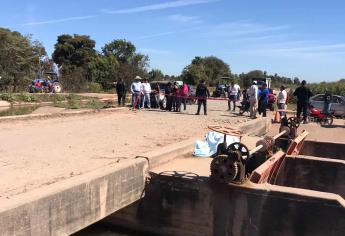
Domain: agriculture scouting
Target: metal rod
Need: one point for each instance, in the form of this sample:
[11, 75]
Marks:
[280, 134]
[255, 149]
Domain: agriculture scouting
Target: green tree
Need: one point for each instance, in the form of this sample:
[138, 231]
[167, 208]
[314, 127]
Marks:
[19, 59]
[296, 81]
[209, 68]
[74, 54]
[76, 50]
[130, 62]
[156, 75]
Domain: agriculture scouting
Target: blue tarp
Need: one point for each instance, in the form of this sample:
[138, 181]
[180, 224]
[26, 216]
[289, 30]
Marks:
[208, 147]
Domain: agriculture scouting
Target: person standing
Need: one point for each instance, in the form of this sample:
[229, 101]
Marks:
[233, 92]
[282, 100]
[136, 92]
[121, 92]
[303, 95]
[202, 94]
[184, 95]
[238, 92]
[146, 91]
[168, 95]
[253, 99]
[263, 99]
[327, 102]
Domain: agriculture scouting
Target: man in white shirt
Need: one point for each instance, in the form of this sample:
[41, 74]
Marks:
[146, 91]
[233, 91]
[136, 92]
[253, 99]
[282, 100]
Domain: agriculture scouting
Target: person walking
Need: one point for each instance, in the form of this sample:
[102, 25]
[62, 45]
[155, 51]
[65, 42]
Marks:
[184, 95]
[202, 94]
[136, 92]
[303, 95]
[263, 99]
[282, 100]
[175, 97]
[121, 92]
[146, 91]
[253, 99]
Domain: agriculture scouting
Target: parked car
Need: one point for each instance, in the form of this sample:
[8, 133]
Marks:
[337, 104]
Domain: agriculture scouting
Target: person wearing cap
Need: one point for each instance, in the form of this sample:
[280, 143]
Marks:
[282, 100]
[303, 95]
[146, 91]
[253, 99]
[136, 92]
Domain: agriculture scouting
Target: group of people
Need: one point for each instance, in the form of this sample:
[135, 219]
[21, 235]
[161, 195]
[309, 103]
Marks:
[177, 95]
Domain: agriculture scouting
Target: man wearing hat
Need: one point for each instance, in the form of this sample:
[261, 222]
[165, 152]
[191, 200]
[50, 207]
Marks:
[136, 92]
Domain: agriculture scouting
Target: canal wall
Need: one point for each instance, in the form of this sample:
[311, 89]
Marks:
[332, 150]
[191, 207]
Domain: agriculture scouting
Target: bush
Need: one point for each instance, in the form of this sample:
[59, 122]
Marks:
[7, 97]
[27, 97]
[94, 87]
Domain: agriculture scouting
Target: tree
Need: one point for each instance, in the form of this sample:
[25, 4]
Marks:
[19, 59]
[254, 74]
[76, 50]
[296, 80]
[130, 62]
[103, 69]
[156, 75]
[209, 68]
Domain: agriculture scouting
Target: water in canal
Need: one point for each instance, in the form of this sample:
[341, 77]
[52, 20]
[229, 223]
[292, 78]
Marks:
[17, 110]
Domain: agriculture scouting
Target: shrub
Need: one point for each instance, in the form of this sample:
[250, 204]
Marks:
[7, 97]
[94, 87]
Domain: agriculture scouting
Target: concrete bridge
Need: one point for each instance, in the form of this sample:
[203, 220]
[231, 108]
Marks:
[65, 208]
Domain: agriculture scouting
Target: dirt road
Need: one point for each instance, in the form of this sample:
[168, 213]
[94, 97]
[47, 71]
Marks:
[35, 153]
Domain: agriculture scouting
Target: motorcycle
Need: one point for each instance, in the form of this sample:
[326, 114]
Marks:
[315, 115]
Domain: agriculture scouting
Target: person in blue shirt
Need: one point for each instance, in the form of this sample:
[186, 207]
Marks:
[263, 99]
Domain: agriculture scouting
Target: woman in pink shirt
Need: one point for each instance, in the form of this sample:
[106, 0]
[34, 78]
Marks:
[184, 95]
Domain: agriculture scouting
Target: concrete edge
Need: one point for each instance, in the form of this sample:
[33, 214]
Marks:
[313, 158]
[60, 114]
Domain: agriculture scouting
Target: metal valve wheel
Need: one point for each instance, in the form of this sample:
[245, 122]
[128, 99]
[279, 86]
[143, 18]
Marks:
[240, 148]
[294, 122]
[224, 169]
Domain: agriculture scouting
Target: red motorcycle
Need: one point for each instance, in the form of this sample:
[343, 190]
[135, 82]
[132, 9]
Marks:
[315, 115]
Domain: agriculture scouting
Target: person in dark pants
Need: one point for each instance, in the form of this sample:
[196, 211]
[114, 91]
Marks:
[202, 94]
[121, 92]
[303, 95]
[327, 102]
[168, 95]
[263, 100]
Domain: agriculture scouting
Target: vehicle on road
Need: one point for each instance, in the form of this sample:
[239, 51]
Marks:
[50, 84]
[337, 106]
[158, 98]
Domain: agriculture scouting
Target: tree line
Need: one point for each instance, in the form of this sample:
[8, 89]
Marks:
[83, 68]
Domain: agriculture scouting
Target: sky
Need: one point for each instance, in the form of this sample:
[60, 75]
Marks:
[294, 38]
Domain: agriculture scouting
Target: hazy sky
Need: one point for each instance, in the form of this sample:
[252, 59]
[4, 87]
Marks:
[304, 38]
